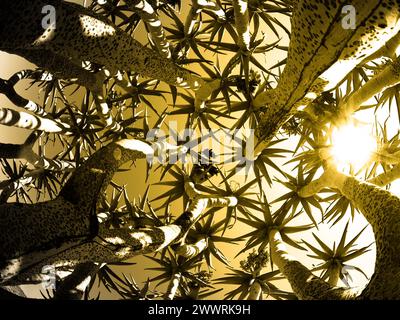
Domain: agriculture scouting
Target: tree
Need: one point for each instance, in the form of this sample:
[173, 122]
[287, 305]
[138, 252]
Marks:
[341, 56]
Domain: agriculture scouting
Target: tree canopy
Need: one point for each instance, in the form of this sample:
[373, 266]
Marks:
[253, 123]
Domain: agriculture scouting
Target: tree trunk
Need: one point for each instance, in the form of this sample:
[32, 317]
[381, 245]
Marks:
[305, 285]
[173, 286]
[255, 291]
[82, 35]
[65, 231]
[323, 48]
[61, 67]
[382, 210]
[242, 23]
[156, 31]
[32, 232]
[334, 275]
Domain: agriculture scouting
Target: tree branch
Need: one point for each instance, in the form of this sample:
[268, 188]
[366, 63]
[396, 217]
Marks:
[21, 119]
[62, 67]
[387, 77]
[305, 285]
[12, 293]
[24, 151]
[318, 60]
[242, 23]
[110, 245]
[72, 243]
[382, 210]
[388, 50]
[154, 25]
[387, 177]
[197, 7]
[82, 35]
[255, 292]
[70, 218]
[7, 88]
[173, 286]
[74, 285]
[192, 250]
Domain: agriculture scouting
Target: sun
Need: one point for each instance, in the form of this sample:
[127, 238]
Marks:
[352, 145]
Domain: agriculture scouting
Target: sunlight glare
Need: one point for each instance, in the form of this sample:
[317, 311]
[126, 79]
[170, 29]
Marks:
[352, 145]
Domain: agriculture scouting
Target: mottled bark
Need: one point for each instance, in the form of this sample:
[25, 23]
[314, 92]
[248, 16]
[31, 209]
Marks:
[321, 47]
[382, 210]
[62, 67]
[388, 50]
[28, 231]
[242, 23]
[64, 232]
[305, 285]
[81, 35]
